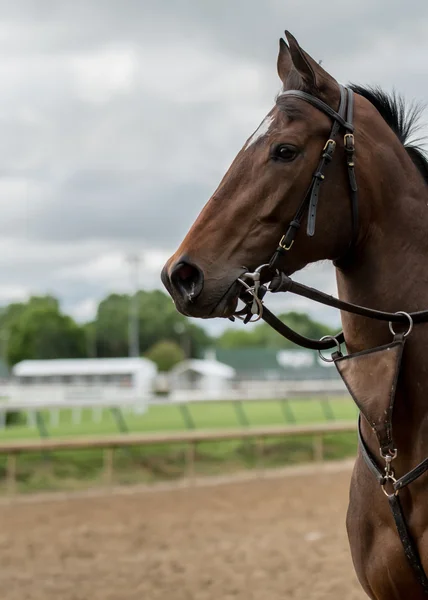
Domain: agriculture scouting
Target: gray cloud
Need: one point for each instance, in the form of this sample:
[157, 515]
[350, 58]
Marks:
[118, 119]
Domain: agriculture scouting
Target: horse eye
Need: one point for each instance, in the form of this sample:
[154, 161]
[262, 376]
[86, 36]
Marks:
[284, 152]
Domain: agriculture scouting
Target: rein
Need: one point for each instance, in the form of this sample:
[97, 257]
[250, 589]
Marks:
[367, 374]
[283, 283]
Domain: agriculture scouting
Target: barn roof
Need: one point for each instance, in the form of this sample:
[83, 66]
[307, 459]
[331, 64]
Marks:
[211, 368]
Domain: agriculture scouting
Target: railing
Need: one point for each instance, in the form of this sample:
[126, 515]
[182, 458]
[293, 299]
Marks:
[264, 390]
[60, 394]
[191, 438]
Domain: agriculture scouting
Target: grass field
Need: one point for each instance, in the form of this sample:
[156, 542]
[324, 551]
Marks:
[210, 415]
[81, 469]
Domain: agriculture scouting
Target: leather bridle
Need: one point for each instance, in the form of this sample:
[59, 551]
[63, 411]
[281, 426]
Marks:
[342, 119]
[310, 201]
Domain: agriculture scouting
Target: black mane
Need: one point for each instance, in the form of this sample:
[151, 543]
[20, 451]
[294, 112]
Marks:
[403, 120]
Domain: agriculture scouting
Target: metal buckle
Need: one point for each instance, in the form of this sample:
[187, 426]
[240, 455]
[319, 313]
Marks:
[328, 142]
[283, 246]
[350, 137]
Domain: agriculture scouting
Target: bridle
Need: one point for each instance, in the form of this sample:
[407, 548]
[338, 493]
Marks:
[342, 119]
[255, 292]
[310, 201]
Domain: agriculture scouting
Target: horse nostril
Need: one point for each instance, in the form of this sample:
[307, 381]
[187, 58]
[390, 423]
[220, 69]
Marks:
[188, 279]
[185, 272]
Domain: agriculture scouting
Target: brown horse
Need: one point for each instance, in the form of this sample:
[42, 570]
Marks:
[239, 228]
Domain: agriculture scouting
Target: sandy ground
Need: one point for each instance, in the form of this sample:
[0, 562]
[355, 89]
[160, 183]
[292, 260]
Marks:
[268, 539]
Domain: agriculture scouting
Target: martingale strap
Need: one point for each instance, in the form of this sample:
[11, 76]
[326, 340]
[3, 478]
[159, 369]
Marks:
[409, 546]
[373, 374]
[371, 378]
[370, 461]
[410, 549]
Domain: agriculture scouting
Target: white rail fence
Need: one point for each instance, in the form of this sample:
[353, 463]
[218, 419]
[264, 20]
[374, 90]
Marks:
[32, 399]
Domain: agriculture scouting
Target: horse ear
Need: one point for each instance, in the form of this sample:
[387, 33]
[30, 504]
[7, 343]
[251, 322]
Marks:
[315, 78]
[285, 62]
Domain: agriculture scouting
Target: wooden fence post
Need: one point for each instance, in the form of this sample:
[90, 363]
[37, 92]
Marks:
[318, 447]
[260, 444]
[190, 461]
[108, 455]
[11, 473]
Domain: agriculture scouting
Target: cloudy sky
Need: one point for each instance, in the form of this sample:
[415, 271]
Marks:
[118, 119]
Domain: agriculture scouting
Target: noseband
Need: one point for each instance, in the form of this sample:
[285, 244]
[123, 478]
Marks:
[381, 423]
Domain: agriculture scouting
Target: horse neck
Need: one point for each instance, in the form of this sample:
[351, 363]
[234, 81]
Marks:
[390, 273]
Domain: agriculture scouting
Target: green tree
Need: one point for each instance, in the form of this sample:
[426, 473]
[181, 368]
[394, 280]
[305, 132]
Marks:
[37, 328]
[165, 354]
[90, 332]
[158, 320]
[111, 326]
[9, 314]
[42, 331]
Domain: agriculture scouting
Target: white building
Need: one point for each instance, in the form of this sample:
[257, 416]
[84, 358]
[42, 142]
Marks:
[201, 379]
[109, 380]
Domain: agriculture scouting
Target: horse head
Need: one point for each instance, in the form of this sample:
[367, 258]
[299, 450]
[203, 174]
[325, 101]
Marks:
[240, 226]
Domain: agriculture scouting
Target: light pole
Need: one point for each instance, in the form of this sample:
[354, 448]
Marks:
[133, 324]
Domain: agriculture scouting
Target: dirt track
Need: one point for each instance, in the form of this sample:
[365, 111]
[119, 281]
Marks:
[259, 540]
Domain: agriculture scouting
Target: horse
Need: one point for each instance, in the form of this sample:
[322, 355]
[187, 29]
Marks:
[378, 243]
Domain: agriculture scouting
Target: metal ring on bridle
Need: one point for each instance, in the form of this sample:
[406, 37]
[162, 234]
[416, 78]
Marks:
[336, 341]
[250, 290]
[409, 330]
[389, 477]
